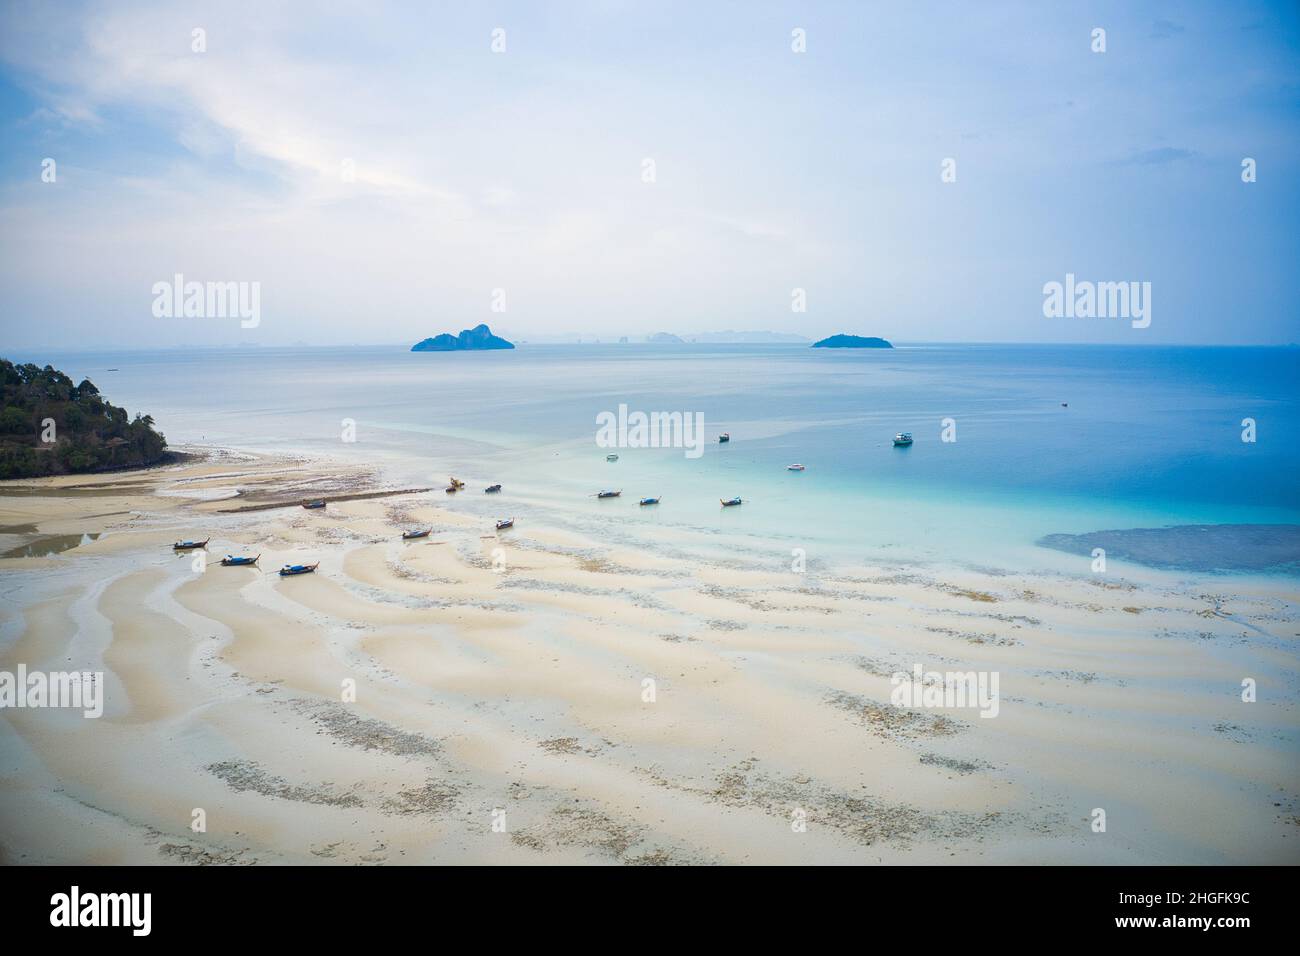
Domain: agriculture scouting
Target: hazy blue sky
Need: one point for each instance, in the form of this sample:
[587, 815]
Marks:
[522, 170]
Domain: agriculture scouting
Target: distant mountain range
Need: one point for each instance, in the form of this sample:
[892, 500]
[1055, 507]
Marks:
[481, 337]
[752, 338]
[478, 338]
[720, 338]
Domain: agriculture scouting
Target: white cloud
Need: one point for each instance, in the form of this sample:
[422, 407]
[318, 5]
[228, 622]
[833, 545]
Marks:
[471, 171]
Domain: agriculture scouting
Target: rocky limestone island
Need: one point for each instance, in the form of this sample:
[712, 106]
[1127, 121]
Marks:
[852, 342]
[479, 337]
[667, 337]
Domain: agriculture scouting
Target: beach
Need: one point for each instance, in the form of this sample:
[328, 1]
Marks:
[546, 695]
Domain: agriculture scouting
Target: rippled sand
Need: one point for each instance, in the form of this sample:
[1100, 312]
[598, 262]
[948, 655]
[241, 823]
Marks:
[502, 711]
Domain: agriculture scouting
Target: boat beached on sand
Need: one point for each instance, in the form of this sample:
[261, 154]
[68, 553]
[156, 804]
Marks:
[291, 569]
[318, 503]
[231, 561]
[505, 523]
[409, 535]
[190, 545]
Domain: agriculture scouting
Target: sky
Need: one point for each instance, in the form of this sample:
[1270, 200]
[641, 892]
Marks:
[383, 174]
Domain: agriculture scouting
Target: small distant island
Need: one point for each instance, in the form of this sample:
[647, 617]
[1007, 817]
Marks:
[477, 338]
[852, 342]
[664, 337]
[49, 426]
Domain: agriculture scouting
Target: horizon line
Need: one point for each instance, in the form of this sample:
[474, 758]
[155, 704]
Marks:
[402, 346]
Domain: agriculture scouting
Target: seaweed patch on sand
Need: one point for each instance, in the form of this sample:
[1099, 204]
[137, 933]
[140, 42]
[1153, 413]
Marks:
[579, 827]
[864, 819]
[955, 764]
[433, 797]
[890, 721]
[247, 775]
[364, 732]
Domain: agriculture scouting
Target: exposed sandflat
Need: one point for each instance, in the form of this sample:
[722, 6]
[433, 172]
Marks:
[524, 691]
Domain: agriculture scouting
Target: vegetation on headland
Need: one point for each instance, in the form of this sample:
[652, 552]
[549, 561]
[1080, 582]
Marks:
[49, 426]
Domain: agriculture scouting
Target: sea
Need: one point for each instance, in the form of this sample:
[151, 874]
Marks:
[1011, 442]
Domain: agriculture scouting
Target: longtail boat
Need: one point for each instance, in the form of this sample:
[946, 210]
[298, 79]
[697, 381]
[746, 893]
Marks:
[729, 502]
[291, 569]
[609, 494]
[231, 561]
[409, 535]
[611, 457]
[190, 545]
[724, 438]
[318, 503]
[794, 467]
[505, 523]
[491, 489]
[650, 501]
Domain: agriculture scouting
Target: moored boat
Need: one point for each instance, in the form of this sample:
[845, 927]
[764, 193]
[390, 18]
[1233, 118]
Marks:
[611, 457]
[235, 561]
[505, 523]
[409, 535]
[491, 489]
[903, 438]
[291, 569]
[724, 438]
[609, 494]
[650, 501]
[794, 468]
[190, 545]
[730, 502]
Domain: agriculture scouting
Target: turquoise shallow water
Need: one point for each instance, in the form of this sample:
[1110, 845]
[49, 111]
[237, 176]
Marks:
[1151, 436]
